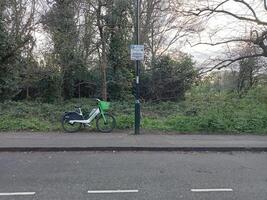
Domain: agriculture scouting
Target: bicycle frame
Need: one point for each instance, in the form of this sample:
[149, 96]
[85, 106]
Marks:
[91, 118]
[87, 121]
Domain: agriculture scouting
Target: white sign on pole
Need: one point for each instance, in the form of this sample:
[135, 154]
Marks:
[137, 52]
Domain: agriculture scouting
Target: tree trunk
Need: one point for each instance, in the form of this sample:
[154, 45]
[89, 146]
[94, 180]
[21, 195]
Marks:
[103, 66]
[104, 82]
[103, 55]
[27, 93]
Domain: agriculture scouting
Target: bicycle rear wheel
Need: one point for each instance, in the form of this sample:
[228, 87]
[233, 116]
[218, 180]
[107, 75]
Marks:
[70, 127]
[108, 126]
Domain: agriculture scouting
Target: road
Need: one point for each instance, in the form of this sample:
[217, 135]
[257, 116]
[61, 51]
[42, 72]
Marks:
[132, 176]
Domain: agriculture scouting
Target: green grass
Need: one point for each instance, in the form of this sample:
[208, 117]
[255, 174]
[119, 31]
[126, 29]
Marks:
[207, 112]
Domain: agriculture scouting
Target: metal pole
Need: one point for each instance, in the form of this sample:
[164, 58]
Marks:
[137, 96]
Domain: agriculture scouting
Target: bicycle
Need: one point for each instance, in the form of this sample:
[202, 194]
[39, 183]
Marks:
[105, 122]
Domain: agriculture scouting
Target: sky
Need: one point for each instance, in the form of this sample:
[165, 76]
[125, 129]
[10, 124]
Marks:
[224, 27]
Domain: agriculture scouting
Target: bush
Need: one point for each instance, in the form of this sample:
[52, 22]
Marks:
[169, 79]
[203, 111]
[11, 123]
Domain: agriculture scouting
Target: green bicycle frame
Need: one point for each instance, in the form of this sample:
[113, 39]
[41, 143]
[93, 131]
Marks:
[102, 112]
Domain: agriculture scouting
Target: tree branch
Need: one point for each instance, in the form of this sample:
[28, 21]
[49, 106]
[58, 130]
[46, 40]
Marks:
[249, 7]
[227, 62]
[223, 42]
[13, 51]
[254, 20]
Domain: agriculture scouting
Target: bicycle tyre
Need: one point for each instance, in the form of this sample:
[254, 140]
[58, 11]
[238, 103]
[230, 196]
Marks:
[108, 126]
[70, 128]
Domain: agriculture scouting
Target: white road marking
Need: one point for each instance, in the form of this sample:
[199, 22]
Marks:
[213, 190]
[17, 194]
[111, 191]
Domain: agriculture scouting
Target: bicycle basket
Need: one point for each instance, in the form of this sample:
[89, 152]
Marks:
[104, 105]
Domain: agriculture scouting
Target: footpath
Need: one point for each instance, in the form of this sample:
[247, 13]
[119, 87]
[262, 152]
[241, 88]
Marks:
[30, 142]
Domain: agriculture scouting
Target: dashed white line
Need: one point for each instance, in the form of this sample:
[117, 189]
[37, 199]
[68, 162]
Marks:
[111, 191]
[213, 190]
[18, 194]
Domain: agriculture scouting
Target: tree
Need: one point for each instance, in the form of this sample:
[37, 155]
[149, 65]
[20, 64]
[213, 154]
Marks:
[246, 15]
[120, 72]
[16, 27]
[101, 25]
[87, 53]
[7, 74]
[60, 21]
[164, 31]
[170, 79]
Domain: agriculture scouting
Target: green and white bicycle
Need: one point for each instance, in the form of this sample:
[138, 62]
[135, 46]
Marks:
[105, 122]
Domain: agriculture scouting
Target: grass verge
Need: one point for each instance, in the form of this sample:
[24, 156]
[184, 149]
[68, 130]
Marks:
[201, 112]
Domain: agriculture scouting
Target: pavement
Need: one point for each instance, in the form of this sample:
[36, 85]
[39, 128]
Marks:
[26, 141]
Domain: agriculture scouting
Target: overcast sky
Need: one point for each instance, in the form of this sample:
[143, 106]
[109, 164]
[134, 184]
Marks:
[224, 27]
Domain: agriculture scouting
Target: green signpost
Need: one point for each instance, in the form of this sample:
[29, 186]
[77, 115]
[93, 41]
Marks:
[137, 54]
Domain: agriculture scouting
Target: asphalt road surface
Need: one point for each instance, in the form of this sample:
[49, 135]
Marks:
[133, 176]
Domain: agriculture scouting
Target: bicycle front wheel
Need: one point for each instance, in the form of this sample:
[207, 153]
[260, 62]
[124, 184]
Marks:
[105, 126]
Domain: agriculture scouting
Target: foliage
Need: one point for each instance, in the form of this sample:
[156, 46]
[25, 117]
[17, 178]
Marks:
[249, 68]
[88, 56]
[48, 88]
[120, 84]
[9, 123]
[8, 74]
[170, 79]
[120, 73]
[203, 111]
[61, 24]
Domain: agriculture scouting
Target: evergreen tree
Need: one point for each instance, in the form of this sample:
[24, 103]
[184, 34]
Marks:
[8, 70]
[121, 73]
[170, 79]
[60, 21]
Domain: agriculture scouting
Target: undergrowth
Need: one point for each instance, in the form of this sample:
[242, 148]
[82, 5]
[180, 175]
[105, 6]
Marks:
[202, 111]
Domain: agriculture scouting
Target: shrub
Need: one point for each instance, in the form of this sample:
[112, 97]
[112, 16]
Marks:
[203, 111]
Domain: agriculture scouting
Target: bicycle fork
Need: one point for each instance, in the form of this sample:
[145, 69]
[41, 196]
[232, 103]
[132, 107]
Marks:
[103, 115]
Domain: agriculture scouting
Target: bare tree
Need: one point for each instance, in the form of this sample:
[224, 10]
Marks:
[163, 28]
[247, 15]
